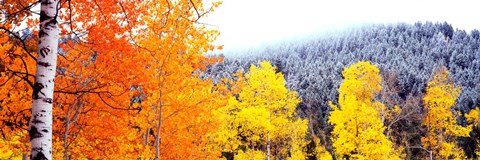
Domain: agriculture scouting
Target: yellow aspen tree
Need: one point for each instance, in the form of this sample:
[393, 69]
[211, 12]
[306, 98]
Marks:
[358, 128]
[442, 130]
[263, 118]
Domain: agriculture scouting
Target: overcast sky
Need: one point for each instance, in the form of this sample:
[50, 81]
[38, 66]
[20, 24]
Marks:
[250, 23]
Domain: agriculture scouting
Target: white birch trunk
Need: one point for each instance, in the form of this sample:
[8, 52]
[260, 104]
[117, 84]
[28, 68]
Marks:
[41, 121]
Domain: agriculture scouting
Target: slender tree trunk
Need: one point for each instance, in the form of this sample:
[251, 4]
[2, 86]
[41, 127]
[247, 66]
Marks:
[147, 134]
[65, 136]
[40, 129]
[69, 119]
[268, 139]
[158, 138]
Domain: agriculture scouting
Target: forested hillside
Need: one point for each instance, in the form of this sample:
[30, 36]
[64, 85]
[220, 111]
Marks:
[406, 55]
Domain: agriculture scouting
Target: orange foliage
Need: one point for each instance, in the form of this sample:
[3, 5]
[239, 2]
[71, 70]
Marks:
[16, 69]
[124, 67]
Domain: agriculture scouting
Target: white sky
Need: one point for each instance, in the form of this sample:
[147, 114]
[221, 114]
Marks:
[250, 23]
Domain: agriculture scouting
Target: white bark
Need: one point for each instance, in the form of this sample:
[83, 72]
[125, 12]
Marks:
[41, 121]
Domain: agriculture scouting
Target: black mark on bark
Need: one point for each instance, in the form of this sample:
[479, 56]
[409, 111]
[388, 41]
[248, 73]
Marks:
[43, 16]
[39, 156]
[53, 21]
[44, 64]
[46, 2]
[36, 121]
[37, 88]
[42, 33]
[34, 133]
[44, 52]
[48, 100]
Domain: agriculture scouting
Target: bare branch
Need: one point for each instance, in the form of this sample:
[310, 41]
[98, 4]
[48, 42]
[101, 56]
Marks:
[106, 103]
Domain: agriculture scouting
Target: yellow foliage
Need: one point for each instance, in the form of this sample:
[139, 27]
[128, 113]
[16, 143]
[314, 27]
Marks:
[361, 81]
[250, 155]
[263, 114]
[14, 147]
[358, 129]
[449, 150]
[473, 117]
[320, 151]
[442, 129]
